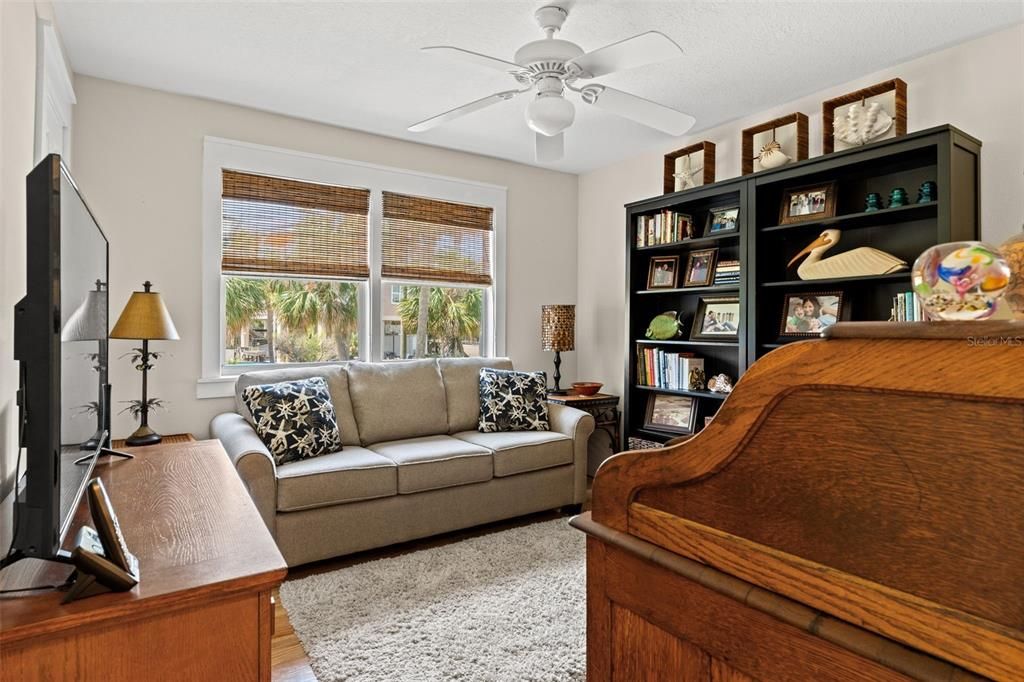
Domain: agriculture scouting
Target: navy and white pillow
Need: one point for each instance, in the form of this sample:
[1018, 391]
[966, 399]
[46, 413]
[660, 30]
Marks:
[513, 401]
[294, 419]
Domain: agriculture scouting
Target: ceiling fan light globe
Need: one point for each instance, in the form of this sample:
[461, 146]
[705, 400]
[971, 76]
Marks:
[550, 114]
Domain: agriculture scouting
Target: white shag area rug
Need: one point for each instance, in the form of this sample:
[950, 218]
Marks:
[510, 605]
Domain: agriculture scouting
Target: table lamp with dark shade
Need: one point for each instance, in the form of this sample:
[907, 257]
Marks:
[145, 318]
[558, 334]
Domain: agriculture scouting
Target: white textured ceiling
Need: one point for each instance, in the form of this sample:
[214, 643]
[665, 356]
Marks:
[356, 64]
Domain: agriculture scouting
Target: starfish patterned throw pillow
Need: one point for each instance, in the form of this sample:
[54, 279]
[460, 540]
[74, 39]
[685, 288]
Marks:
[294, 419]
[513, 401]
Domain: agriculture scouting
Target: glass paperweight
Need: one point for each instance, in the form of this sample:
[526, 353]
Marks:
[1013, 251]
[960, 280]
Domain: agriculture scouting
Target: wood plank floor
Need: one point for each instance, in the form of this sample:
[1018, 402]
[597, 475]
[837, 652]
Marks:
[288, 659]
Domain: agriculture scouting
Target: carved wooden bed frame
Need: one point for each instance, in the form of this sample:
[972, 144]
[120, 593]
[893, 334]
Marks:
[854, 511]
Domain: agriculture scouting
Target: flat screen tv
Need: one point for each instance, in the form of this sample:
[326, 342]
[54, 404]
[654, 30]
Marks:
[60, 341]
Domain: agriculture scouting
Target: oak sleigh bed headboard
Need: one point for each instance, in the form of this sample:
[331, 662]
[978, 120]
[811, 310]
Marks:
[855, 511]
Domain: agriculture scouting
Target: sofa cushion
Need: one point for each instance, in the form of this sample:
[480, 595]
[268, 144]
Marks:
[436, 462]
[294, 419]
[513, 401]
[337, 384]
[516, 452]
[396, 400]
[348, 476]
[462, 388]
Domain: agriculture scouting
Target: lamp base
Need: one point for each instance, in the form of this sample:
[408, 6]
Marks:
[143, 436]
[558, 391]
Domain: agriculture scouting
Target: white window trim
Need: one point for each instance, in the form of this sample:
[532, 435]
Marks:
[220, 153]
[55, 95]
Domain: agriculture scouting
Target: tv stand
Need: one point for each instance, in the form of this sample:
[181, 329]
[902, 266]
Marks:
[105, 452]
[209, 565]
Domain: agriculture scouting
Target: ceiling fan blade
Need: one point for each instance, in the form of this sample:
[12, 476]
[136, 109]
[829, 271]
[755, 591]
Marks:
[474, 58]
[640, 50]
[638, 109]
[459, 112]
[550, 148]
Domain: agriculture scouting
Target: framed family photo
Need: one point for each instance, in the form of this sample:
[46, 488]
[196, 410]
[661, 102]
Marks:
[718, 319]
[663, 272]
[671, 413]
[722, 221]
[813, 202]
[700, 268]
[809, 314]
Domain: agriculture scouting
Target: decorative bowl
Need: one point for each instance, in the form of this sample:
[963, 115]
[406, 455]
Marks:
[586, 387]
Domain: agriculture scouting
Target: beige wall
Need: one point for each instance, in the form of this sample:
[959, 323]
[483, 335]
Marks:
[977, 86]
[17, 127]
[138, 161]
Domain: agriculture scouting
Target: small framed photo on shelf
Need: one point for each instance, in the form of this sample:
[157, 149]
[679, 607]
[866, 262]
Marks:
[670, 413]
[722, 221]
[700, 268]
[718, 319]
[663, 272]
[812, 202]
[809, 314]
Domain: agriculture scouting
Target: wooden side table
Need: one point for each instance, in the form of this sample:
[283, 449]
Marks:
[605, 409]
[119, 444]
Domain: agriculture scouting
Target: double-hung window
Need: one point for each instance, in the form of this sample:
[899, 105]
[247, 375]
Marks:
[437, 254]
[293, 264]
[309, 259]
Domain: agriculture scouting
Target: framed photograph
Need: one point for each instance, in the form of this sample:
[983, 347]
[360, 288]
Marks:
[663, 272]
[718, 319]
[813, 202]
[722, 221]
[671, 413]
[700, 268]
[809, 314]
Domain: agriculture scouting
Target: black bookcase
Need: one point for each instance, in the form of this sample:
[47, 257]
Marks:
[943, 154]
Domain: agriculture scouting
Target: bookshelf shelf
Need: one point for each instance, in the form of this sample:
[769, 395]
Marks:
[903, 276]
[763, 247]
[687, 243]
[695, 394]
[865, 218]
[684, 342]
[690, 290]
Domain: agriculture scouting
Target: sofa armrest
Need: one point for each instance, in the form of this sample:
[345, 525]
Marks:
[252, 460]
[578, 425]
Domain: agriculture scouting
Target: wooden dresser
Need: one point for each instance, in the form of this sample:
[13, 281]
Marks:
[202, 609]
[854, 512]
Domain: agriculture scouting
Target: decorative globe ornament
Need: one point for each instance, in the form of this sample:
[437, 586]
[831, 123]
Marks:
[960, 280]
[1013, 251]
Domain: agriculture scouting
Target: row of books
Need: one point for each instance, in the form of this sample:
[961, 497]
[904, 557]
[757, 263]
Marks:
[666, 227]
[727, 272]
[661, 369]
[906, 308]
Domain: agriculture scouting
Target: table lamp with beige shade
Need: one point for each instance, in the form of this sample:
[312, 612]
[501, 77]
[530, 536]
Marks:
[558, 334]
[145, 318]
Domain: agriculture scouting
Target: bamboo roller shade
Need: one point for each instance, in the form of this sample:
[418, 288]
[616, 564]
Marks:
[429, 239]
[287, 227]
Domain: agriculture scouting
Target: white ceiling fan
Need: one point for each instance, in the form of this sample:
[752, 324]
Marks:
[551, 66]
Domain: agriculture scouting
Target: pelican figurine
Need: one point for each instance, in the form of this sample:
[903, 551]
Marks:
[858, 262]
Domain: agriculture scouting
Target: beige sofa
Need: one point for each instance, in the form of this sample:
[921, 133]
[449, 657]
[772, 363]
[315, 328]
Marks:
[413, 463]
